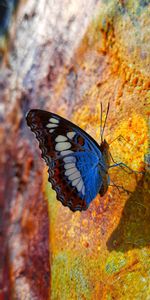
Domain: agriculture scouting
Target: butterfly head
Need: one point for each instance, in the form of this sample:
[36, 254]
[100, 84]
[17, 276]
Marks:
[104, 148]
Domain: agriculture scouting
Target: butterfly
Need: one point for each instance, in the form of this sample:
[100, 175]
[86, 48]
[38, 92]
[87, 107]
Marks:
[77, 164]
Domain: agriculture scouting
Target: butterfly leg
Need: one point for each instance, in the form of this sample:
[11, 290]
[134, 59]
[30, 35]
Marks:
[119, 137]
[102, 128]
[120, 187]
[121, 164]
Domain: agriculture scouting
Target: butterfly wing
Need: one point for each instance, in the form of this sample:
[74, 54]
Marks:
[73, 158]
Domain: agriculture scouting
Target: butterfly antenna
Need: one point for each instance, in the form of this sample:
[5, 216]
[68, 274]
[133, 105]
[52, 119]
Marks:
[102, 131]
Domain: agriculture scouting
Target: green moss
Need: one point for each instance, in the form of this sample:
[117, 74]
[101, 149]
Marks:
[115, 262]
[68, 278]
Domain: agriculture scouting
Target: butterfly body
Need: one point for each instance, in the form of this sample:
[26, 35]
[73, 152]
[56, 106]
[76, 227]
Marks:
[78, 166]
[104, 148]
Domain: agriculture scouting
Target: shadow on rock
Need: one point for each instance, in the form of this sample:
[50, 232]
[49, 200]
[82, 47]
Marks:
[133, 230]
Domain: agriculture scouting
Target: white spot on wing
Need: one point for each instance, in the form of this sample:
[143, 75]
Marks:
[61, 138]
[79, 185]
[75, 182]
[74, 176]
[62, 146]
[66, 152]
[53, 120]
[51, 130]
[83, 190]
[69, 165]
[71, 134]
[70, 171]
[51, 125]
[70, 159]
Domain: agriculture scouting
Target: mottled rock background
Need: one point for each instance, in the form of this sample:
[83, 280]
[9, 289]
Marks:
[67, 57]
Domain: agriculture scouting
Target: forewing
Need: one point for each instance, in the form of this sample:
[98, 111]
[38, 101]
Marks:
[72, 157]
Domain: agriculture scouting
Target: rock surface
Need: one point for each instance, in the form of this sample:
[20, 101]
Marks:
[67, 58]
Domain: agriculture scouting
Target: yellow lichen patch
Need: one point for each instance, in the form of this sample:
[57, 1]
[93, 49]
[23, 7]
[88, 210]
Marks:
[128, 56]
[132, 142]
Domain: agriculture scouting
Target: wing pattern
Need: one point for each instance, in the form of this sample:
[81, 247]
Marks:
[73, 158]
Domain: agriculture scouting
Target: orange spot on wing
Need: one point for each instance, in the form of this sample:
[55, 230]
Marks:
[80, 141]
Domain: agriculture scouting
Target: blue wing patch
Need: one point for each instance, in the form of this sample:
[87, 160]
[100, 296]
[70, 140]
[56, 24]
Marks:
[89, 167]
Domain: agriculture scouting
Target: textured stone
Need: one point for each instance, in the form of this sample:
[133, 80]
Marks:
[68, 63]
